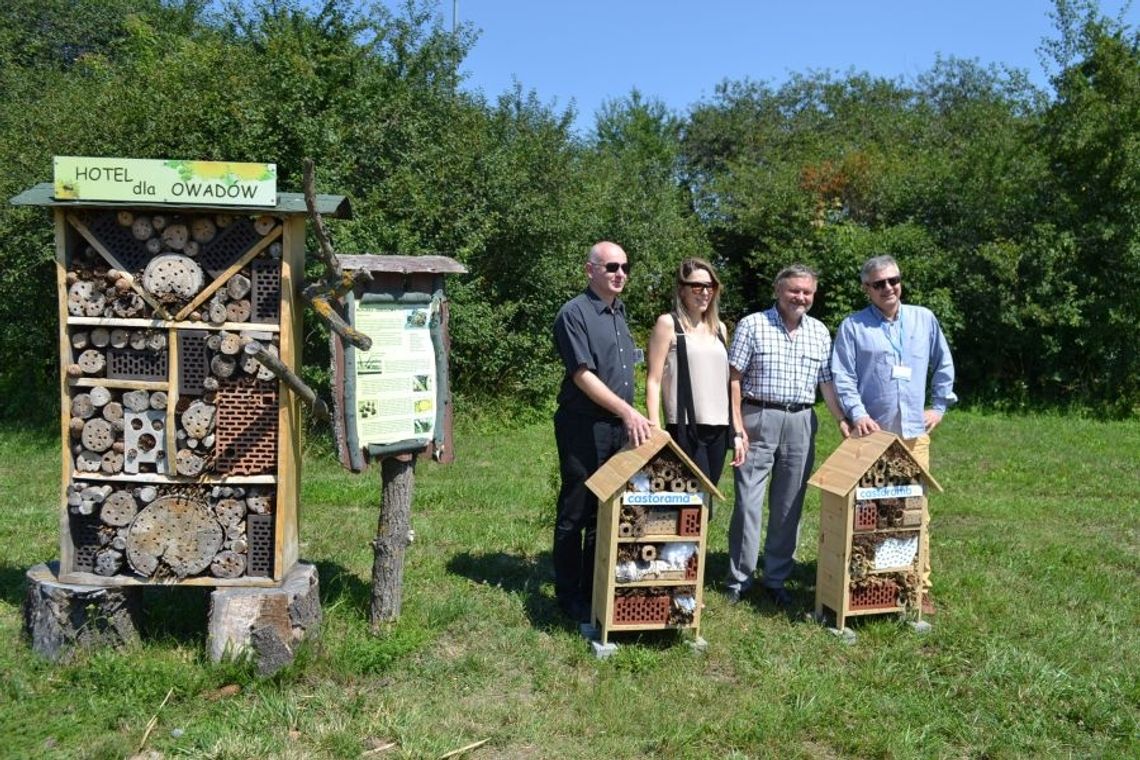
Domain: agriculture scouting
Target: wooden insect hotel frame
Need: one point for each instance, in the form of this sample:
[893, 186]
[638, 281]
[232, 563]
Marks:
[873, 527]
[180, 448]
[653, 515]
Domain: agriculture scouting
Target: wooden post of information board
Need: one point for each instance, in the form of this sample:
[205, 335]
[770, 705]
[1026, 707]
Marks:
[393, 534]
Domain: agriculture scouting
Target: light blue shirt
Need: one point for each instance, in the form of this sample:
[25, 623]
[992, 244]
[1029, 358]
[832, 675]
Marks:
[867, 349]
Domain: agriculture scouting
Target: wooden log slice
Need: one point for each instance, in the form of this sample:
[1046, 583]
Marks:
[217, 313]
[119, 509]
[159, 222]
[228, 564]
[100, 337]
[231, 344]
[76, 425]
[108, 561]
[156, 341]
[259, 502]
[173, 274]
[173, 535]
[175, 236]
[79, 340]
[154, 246]
[230, 511]
[88, 461]
[136, 401]
[223, 366]
[188, 464]
[203, 229]
[141, 228]
[138, 340]
[92, 361]
[82, 407]
[125, 218]
[223, 220]
[158, 400]
[113, 411]
[98, 435]
[264, 224]
[146, 494]
[100, 396]
[192, 248]
[198, 419]
[238, 286]
[78, 296]
[238, 311]
[112, 462]
[119, 338]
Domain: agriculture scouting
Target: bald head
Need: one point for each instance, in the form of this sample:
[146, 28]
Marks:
[604, 250]
[607, 269]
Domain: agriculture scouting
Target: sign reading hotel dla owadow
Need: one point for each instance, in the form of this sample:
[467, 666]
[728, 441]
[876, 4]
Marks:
[143, 180]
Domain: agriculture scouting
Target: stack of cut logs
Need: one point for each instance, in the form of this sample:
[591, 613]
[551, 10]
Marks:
[100, 291]
[116, 431]
[89, 347]
[170, 531]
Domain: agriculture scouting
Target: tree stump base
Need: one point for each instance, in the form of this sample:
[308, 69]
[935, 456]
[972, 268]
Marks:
[266, 624]
[61, 619]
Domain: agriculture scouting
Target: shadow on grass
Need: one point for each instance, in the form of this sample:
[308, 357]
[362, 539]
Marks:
[516, 574]
[801, 586]
[339, 583]
[13, 584]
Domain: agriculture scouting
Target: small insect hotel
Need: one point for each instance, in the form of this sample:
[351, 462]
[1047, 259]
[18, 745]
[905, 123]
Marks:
[180, 447]
[873, 520]
[653, 513]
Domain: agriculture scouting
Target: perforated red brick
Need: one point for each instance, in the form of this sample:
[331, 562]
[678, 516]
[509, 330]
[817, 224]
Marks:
[689, 521]
[885, 595]
[691, 568]
[866, 515]
[246, 435]
[641, 610]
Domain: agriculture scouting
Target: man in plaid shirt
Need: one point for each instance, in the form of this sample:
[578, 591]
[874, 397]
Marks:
[777, 359]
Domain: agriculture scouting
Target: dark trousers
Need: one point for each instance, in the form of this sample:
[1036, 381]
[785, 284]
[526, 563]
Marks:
[708, 451]
[584, 444]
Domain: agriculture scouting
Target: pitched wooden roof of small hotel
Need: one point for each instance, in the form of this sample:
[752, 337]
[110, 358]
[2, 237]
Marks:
[854, 456]
[618, 469]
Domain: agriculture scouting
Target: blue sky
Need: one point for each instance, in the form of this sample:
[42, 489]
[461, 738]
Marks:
[677, 51]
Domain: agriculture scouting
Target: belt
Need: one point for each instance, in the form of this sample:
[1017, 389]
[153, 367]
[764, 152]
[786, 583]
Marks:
[773, 405]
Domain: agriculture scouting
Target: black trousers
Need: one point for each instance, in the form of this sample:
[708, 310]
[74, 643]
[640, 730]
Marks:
[584, 444]
[708, 451]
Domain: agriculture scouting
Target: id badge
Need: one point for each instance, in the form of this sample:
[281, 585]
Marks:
[900, 372]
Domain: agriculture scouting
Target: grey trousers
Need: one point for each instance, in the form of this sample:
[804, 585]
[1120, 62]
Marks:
[781, 448]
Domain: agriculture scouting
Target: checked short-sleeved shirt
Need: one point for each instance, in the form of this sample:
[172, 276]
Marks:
[590, 333]
[777, 367]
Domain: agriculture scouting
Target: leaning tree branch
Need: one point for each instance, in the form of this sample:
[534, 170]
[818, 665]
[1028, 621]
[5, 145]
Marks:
[287, 376]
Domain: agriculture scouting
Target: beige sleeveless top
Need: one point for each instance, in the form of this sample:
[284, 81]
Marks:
[708, 371]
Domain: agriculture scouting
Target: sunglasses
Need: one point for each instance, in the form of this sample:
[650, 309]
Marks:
[880, 284]
[612, 266]
[699, 287]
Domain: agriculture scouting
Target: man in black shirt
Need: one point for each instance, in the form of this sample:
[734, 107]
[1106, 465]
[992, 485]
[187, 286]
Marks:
[595, 416]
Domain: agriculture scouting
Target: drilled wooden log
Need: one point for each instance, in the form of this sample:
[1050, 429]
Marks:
[158, 400]
[98, 435]
[88, 461]
[174, 535]
[230, 511]
[136, 401]
[228, 564]
[223, 366]
[142, 228]
[79, 340]
[112, 463]
[188, 464]
[85, 299]
[238, 286]
[113, 411]
[198, 419]
[216, 313]
[264, 224]
[108, 561]
[203, 229]
[230, 344]
[82, 407]
[92, 361]
[175, 236]
[238, 311]
[100, 396]
[173, 274]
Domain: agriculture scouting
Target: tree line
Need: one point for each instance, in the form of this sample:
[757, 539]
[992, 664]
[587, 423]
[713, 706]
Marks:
[1014, 211]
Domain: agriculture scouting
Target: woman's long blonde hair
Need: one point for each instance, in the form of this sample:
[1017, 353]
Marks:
[711, 318]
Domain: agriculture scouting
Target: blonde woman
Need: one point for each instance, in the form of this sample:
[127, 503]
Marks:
[688, 370]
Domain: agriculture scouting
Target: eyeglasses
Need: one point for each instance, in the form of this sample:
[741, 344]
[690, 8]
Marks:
[699, 287]
[612, 266]
[880, 284]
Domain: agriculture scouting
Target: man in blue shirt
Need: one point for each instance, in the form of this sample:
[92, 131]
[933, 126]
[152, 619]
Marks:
[595, 416]
[882, 359]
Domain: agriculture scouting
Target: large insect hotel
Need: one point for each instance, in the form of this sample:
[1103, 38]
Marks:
[180, 444]
[873, 530]
[653, 514]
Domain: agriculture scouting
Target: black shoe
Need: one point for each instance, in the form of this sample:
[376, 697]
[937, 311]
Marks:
[732, 595]
[779, 597]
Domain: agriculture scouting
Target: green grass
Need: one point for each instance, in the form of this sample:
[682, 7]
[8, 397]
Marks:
[1034, 652]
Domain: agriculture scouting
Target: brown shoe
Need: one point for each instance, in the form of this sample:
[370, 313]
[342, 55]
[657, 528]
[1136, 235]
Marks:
[928, 605]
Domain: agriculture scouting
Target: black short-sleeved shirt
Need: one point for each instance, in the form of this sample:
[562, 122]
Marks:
[589, 333]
